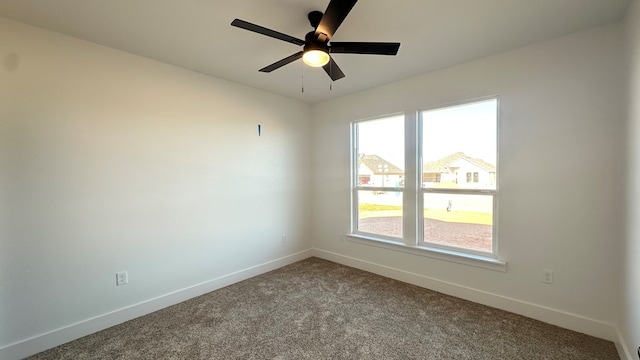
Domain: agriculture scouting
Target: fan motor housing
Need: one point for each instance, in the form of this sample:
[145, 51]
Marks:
[311, 42]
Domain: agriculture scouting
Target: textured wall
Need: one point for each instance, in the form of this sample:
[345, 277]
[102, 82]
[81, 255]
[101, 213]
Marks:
[630, 314]
[111, 162]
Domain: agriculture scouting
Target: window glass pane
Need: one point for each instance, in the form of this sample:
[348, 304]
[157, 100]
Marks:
[459, 146]
[380, 147]
[380, 212]
[459, 220]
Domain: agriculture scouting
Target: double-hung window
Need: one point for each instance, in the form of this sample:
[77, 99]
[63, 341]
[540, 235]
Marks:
[458, 186]
[450, 202]
[378, 165]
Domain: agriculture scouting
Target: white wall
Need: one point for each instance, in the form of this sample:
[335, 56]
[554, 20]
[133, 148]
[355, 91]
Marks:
[111, 162]
[630, 314]
[561, 151]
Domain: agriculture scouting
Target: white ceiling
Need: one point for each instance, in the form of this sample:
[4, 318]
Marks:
[195, 34]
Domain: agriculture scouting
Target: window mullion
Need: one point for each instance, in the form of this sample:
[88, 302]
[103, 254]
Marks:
[460, 191]
[410, 198]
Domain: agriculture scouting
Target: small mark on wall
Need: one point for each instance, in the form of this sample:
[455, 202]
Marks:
[259, 129]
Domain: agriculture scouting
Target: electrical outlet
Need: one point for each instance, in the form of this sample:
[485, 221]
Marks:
[284, 238]
[122, 278]
[547, 276]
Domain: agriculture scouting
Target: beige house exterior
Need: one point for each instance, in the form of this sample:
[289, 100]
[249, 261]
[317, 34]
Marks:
[377, 172]
[461, 169]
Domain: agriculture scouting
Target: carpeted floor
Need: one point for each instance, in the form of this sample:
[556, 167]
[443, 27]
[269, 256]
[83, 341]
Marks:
[315, 309]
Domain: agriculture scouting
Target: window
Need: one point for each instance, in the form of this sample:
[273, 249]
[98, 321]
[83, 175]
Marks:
[379, 163]
[445, 201]
[458, 212]
[475, 177]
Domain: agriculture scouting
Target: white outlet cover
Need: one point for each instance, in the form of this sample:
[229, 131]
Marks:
[122, 278]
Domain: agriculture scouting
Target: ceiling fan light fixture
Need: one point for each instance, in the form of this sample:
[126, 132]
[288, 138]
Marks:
[316, 49]
[316, 58]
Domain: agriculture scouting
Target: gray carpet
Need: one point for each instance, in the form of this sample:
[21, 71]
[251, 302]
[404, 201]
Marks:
[316, 309]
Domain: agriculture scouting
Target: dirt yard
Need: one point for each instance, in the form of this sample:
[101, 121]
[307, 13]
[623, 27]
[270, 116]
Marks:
[470, 236]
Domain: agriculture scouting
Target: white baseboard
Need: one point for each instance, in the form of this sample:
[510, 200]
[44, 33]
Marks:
[623, 349]
[71, 332]
[548, 315]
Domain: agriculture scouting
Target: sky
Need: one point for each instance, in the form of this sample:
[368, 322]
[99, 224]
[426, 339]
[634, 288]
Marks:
[469, 128]
[383, 137]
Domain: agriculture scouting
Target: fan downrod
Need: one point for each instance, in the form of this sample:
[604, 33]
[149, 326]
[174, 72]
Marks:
[314, 18]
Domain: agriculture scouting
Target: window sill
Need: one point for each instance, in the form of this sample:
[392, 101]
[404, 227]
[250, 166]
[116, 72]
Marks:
[484, 262]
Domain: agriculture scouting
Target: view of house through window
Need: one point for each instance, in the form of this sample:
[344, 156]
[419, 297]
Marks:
[459, 147]
[455, 194]
[456, 178]
[379, 176]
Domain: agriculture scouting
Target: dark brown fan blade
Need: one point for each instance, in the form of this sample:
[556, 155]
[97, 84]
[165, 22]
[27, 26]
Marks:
[264, 31]
[281, 63]
[333, 70]
[371, 48]
[336, 12]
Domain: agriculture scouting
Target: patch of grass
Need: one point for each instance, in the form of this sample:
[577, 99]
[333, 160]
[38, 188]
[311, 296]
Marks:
[465, 217]
[378, 210]
[378, 207]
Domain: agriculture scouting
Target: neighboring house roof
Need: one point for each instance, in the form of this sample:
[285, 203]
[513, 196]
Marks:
[378, 165]
[441, 165]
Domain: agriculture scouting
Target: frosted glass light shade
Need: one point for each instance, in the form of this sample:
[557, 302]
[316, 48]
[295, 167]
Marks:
[315, 58]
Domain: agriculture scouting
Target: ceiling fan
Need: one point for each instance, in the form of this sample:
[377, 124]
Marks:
[316, 47]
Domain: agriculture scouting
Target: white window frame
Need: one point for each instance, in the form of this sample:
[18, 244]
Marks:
[413, 197]
[355, 186]
[485, 192]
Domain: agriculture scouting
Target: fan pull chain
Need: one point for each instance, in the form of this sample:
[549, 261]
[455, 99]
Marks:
[302, 72]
